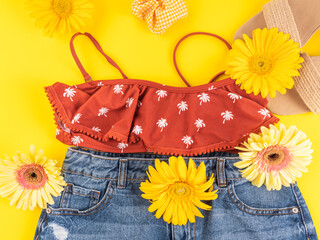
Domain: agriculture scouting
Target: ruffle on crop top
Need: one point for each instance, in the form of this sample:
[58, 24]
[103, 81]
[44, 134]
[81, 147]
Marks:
[128, 115]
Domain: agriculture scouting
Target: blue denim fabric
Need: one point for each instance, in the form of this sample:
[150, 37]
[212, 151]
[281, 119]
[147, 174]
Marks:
[103, 201]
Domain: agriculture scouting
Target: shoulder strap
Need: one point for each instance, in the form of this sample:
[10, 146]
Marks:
[97, 45]
[191, 34]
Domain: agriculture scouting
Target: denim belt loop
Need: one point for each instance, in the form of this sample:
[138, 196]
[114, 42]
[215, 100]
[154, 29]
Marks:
[220, 173]
[122, 176]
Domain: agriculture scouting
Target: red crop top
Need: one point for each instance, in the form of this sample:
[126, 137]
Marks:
[129, 115]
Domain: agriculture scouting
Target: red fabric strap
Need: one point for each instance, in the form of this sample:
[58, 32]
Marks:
[97, 45]
[191, 34]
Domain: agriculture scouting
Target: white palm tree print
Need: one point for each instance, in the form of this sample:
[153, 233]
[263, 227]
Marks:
[137, 129]
[129, 102]
[76, 118]
[76, 140]
[234, 96]
[100, 84]
[199, 123]
[96, 129]
[103, 111]
[204, 97]
[187, 140]
[162, 123]
[161, 94]
[183, 106]
[227, 116]
[69, 93]
[64, 128]
[118, 89]
[211, 88]
[264, 112]
[122, 146]
[57, 131]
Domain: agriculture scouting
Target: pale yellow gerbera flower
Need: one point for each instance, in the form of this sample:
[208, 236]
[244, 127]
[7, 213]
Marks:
[56, 17]
[30, 179]
[275, 157]
[266, 63]
[176, 190]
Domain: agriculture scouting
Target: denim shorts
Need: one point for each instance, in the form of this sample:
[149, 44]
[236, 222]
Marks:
[103, 201]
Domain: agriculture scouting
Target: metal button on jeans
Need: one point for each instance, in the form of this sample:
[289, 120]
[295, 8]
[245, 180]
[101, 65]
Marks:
[48, 210]
[295, 210]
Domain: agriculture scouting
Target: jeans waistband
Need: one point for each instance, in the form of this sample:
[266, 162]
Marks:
[126, 167]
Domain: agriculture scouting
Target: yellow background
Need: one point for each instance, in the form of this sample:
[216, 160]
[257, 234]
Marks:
[29, 61]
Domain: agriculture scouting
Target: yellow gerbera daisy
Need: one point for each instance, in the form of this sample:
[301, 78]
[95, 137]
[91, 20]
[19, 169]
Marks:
[266, 63]
[56, 17]
[275, 157]
[176, 190]
[30, 179]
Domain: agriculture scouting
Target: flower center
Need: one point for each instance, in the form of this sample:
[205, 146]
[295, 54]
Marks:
[180, 190]
[62, 8]
[261, 65]
[274, 158]
[31, 176]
